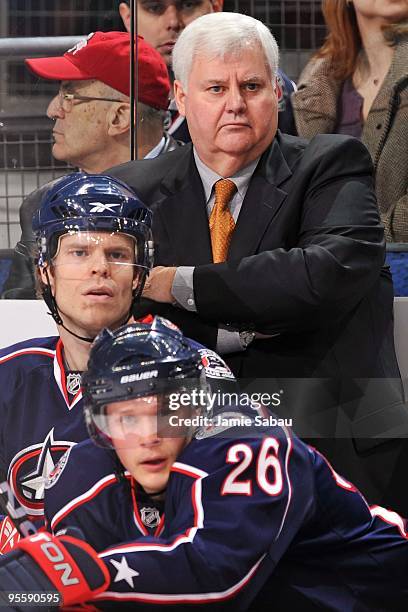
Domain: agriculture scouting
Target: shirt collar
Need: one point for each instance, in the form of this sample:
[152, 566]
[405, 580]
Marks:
[156, 150]
[209, 177]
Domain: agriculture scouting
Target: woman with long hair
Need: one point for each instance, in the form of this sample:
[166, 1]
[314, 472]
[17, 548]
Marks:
[357, 84]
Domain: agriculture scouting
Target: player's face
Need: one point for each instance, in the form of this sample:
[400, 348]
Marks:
[92, 277]
[161, 21]
[133, 430]
[80, 131]
[239, 101]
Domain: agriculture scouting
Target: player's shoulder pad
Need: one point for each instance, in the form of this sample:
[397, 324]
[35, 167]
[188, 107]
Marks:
[79, 469]
[34, 348]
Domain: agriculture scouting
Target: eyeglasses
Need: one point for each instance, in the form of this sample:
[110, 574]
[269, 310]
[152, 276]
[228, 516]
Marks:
[66, 100]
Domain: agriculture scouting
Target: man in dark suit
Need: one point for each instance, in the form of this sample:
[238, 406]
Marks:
[279, 267]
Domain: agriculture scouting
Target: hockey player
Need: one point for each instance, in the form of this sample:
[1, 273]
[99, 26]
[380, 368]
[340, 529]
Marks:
[93, 235]
[94, 254]
[229, 516]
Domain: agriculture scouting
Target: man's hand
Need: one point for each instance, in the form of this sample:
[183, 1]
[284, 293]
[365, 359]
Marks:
[158, 285]
[46, 563]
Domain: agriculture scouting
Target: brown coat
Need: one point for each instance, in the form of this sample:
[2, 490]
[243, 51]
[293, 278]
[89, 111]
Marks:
[385, 131]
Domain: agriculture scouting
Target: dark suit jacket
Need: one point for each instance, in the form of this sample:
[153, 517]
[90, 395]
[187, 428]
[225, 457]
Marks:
[20, 283]
[305, 261]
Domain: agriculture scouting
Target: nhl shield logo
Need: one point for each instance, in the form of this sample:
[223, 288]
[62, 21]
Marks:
[73, 382]
[150, 517]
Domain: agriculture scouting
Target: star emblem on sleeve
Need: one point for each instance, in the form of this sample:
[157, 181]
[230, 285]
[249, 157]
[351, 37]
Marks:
[124, 571]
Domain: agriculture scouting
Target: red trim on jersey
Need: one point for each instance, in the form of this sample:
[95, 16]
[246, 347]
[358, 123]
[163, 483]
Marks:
[340, 481]
[198, 598]
[188, 470]
[136, 513]
[159, 527]
[83, 499]
[60, 360]
[287, 458]
[188, 535]
[391, 518]
[28, 351]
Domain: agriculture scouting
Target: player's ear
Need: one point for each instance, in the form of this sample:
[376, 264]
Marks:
[42, 277]
[124, 12]
[118, 118]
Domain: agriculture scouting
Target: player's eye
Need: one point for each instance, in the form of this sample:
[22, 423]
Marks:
[121, 256]
[79, 253]
[128, 421]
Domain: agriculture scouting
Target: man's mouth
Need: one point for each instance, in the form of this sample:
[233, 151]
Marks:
[154, 465]
[100, 292]
[167, 46]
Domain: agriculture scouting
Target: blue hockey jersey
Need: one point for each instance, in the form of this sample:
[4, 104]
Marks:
[41, 413]
[39, 418]
[253, 519]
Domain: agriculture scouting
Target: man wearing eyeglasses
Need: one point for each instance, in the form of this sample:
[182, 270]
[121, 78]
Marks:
[91, 110]
[91, 114]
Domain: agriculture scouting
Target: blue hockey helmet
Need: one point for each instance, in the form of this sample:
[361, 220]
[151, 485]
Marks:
[87, 204]
[140, 360]
[92, 203]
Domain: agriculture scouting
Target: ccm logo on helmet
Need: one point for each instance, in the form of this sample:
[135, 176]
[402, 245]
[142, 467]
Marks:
[139, 376]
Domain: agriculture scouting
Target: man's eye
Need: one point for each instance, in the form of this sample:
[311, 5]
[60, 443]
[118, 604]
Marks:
[252, 86]
[190, 5]
[216, 88]
[128, 420]
[79, 252]
[119, 256]
[157, 8]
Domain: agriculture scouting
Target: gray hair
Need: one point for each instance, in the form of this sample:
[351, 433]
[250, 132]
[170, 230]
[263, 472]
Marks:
[219, 34]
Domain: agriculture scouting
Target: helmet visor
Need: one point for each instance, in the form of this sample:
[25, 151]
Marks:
[173, 413]
[80, 253]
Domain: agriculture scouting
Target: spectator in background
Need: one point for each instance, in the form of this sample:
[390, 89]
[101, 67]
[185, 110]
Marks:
[357, 84]
[92, 121]
[162, 21]
[279, 267]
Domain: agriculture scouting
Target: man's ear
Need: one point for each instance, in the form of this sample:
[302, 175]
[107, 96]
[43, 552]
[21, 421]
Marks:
[217, 5]
[42, 276]
[180, 96]
[124, 12]
[118, 118]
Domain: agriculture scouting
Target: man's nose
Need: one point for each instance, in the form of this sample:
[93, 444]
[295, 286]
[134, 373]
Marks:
[99, 263]
[54, 110]
[235, 101]
[173, 18]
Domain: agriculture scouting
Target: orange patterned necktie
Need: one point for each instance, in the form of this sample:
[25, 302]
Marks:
[221, 222]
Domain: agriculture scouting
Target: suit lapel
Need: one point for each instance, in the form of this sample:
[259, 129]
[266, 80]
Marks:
[261, 203]
[183, 213]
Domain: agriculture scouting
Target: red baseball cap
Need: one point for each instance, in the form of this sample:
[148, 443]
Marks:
[105, 56]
